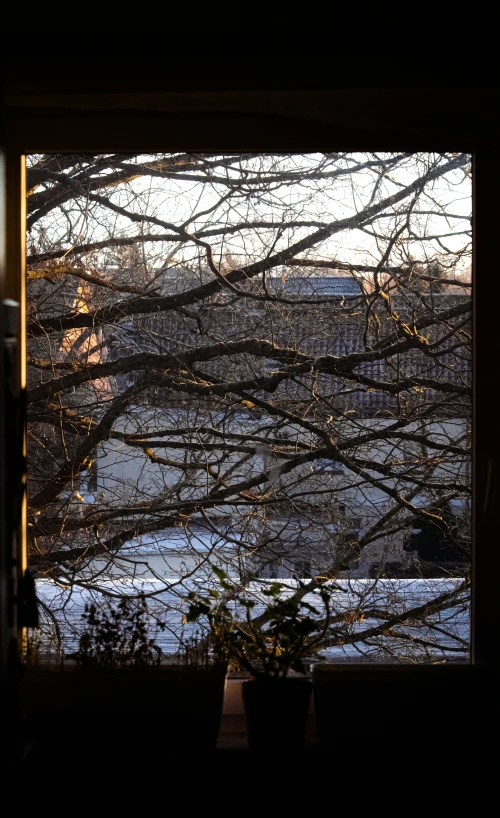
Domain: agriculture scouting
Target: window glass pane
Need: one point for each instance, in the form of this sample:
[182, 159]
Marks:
[258, 363]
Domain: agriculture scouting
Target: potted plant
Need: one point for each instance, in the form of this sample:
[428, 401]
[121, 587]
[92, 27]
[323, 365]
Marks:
[118, 687]
[273, 649]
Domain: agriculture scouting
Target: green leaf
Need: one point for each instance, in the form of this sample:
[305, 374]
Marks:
[218, 571]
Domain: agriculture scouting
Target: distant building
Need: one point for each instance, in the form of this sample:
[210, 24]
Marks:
[301, 538]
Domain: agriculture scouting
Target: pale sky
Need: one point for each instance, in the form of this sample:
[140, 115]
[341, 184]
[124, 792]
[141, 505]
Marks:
[175, 201]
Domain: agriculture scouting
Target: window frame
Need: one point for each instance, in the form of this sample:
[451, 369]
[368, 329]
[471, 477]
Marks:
[293, 120]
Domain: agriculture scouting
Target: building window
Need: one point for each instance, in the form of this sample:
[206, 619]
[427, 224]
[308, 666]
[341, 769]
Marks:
[92, 477]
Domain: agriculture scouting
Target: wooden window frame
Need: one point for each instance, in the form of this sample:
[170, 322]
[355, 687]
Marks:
[289, 120]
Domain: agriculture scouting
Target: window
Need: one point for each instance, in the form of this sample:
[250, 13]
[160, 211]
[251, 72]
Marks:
[164, 428]
[302, 569]
[325, 466]
[92, 482]
[34, 148]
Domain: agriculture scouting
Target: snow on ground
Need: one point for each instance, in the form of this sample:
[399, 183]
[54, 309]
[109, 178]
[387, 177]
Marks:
[448, 628]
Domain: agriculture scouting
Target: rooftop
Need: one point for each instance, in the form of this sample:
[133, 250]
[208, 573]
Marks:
[316, 285]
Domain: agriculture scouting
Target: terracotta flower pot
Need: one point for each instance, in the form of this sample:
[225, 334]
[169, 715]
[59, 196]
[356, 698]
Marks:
[276, 711]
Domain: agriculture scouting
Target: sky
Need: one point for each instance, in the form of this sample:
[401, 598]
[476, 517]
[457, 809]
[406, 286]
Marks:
[176, 201]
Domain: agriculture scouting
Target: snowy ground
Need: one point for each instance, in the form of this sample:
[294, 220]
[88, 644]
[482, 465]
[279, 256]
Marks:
[450, 628]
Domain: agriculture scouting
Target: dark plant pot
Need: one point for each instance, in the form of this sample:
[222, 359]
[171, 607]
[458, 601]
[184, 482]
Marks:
[170, 707]
[407, 704]
[276, 711]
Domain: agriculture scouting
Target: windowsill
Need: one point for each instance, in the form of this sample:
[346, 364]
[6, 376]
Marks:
[233, 733]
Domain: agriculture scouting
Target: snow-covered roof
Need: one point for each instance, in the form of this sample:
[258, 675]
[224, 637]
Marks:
[178, 541]
[68, 605]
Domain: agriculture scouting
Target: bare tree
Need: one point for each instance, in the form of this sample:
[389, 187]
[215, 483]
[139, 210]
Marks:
[260, 362]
